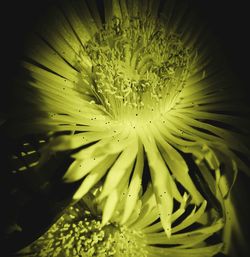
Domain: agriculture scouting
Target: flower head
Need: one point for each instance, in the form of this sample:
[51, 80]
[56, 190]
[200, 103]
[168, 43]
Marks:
[133, 94]
[80, 232]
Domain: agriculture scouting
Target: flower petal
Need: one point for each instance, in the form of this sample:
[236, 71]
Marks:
[160, 180]
[94, 176]
[122, 166]
[135, 185]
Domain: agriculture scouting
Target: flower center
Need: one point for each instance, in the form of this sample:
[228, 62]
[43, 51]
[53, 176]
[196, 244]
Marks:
[77, 234]
[136, 66]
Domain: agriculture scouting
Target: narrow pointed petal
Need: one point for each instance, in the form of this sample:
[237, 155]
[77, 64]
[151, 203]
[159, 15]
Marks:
[96, 174]
[135, 185]
[122, 166]
[161, 182]
[109, 207]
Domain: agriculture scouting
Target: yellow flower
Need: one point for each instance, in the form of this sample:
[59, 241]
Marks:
[134, 92]
[80, 232]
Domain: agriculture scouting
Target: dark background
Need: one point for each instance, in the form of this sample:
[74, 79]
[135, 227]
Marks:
[228, 21]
